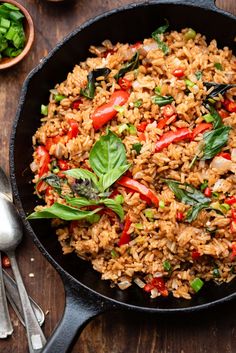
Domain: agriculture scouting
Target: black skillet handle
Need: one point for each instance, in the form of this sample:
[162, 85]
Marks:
[81, 306]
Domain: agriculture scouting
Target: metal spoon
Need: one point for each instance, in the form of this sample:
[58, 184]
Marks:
[6, 328]
[11, 233]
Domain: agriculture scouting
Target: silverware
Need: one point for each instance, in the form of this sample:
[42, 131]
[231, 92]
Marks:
[14, 299]
[11, 233]
[6, 328]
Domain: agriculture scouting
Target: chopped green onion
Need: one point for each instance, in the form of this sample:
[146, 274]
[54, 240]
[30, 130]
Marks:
[114, 254]
[5, 23]
[137, 147]
[224, 207]
[149, 213]
[56, 170]
[162, 100]
[204, 185]
[190, 34]
[15, 15]
[138, 103]
[196, 284]
[216, 272]
[44, 109]
[119, 199]
[167, 266]
[138, 225]
[132, 129]
[198, 74]
[161, 204]
[10, 6]
[119, 109]
[211, 100]
[122, 128]
[59, 97]
[158, 90]
[208, 118]
[215, 195]
[189, 83]
[218, 66]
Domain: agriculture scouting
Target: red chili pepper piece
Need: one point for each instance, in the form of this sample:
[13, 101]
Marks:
[207, 192]
[125, 237]
[231, 200]
[233, 251]
[223, 113]
[136, 45]
[166, 121]
[136, 186]
[44, 160]
[200, 128]
[73, 130]
[106, 112]
[124, 83]
[195, 255]
[141, 136]
[178, 72]
[52, 141]
[168, 110]
[159, 284]
[233, 214]
[179, 216]
[142, 126]
[229, 105]
[6, 263]
[225, 155]
[173, 136]
[108, 51]
[62, 164]
[76, 104]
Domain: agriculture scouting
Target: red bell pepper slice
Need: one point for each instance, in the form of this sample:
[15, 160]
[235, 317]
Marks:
[200, 128]
[173, 136]
[166, 121]
[136, 186]
[229, 105]
[44, 160]
[225, 155]
[107, 111]
[125, 237]
[231, 200]
[73, 130]
[62, 164]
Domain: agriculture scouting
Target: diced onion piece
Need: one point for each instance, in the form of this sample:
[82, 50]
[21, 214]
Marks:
[150, 46]
[154, 293]
[221, 164]
[139, 282]
[124, 285]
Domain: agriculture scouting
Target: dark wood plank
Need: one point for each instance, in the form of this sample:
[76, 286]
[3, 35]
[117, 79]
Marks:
[112, 332]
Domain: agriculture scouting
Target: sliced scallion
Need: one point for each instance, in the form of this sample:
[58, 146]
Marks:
[196, 284]
[44, 109]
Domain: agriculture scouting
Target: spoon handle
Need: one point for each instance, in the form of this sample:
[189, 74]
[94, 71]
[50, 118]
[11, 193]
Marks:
[5, 322]
[36, 339]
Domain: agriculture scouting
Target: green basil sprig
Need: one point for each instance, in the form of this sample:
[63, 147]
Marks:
[89, 90]
[129, 66]
[156, 35]
[189, 195]
[214, 141]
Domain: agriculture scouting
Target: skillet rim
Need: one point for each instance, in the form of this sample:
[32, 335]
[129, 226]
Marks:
[66, 277]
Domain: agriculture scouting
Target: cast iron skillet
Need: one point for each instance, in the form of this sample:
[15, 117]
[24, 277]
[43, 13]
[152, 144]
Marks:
[86, 294]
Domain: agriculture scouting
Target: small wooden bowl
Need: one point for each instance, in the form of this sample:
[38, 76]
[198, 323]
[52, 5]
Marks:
[5, 63]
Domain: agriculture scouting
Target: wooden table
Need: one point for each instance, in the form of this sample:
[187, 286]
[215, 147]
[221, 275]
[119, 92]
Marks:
[112, 332]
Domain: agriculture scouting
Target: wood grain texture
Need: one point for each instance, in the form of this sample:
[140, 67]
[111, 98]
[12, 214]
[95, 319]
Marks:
[112, 332]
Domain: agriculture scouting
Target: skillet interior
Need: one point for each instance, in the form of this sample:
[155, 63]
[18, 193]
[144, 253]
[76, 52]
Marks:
[135, 23]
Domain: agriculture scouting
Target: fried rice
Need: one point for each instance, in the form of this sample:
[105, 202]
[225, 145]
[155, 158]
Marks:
[163, 252]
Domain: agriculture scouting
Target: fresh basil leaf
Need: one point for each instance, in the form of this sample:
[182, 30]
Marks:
[109, 178]
[156, 35]
[218, 66]
[114, 206]
[89, 90]
[219, 88]
[108, 153]
[217, 122]
[186, 193]
[214, 141]
[194, 211]
[79, 173]
[64, 212]
[86, 188]
[137, 147]
[94, 218]
[54, 181]
[162, 100]
[129, 66]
